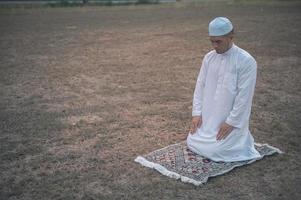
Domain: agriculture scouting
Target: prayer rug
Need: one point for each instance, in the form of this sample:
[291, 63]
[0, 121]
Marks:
[177, 161]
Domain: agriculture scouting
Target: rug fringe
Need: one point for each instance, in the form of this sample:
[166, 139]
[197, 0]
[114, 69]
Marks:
[165, 171]
[274, 148]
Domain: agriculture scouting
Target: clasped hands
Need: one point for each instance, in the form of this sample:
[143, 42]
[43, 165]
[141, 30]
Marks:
[224, 130]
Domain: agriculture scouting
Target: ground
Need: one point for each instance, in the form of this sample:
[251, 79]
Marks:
[84, 90]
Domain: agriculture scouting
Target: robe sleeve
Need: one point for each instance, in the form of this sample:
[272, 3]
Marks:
[240, 113]
[199, 90]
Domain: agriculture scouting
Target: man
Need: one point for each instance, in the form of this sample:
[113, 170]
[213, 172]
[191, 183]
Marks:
[222, 99]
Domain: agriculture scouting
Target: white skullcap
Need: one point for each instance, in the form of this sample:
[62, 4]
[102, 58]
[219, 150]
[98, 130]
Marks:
[220, 26]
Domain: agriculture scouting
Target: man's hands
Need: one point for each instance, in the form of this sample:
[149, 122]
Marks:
[224, 131]
[195, 124]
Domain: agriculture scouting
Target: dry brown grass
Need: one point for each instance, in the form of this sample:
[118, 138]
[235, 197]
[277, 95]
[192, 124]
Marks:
[86, 90]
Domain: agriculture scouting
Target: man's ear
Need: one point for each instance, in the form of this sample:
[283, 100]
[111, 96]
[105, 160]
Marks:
[231, 34]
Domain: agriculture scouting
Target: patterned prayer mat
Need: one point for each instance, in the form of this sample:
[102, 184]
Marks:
[177, 161]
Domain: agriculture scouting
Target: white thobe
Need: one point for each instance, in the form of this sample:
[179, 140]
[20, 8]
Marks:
[223, 93]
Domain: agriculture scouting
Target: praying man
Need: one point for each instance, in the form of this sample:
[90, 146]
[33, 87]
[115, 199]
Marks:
[223, 98]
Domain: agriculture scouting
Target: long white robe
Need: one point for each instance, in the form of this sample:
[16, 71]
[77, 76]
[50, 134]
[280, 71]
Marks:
[223, 93]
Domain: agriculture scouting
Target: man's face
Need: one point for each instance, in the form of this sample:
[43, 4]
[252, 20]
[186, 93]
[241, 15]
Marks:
[221, 43]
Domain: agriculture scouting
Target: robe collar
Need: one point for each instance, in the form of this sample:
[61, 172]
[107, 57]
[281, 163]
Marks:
[228, 52]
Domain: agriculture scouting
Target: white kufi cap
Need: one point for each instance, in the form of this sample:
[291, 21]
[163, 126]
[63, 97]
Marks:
[220, 26]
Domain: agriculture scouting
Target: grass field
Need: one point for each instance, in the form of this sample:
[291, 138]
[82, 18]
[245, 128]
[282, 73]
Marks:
[84, 90]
